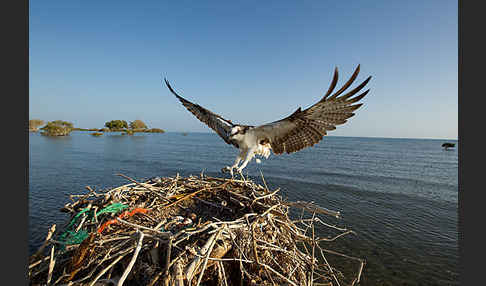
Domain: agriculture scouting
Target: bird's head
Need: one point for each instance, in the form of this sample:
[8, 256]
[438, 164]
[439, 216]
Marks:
[237, 132]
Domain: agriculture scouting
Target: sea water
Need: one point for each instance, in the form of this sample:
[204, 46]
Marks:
[400, 196]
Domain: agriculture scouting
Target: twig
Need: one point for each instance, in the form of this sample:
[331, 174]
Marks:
[360, 271]
[207, 256]
[310, 207]
[336, 237]
[278, 274]
[46, 241]
[132, 261]
[221, 266]
[167, 260]
[190, 270]
[143, 186]
[156, 278]
[51, 266]
[266, 196]
[313, 250]
[81, 223]
[38, 262]
[357, 279]
[164, 234]
[329, 266]
[255, 253]
[102, 272]
[179, 276]
[264, 183]
[183, 198]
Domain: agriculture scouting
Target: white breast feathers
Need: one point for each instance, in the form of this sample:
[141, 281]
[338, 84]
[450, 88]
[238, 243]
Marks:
[263, 150]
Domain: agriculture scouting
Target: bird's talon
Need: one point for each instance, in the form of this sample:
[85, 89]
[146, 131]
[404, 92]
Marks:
[226, 169]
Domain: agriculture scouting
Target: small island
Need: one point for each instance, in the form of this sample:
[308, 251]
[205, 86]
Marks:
[64, 128]
[132, 128]
[57, 128]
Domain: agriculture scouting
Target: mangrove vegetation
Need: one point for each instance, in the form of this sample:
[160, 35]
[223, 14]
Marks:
[64, 128]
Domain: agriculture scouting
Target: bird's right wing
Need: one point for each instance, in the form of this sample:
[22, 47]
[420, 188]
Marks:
[304, 128]
[220, 125]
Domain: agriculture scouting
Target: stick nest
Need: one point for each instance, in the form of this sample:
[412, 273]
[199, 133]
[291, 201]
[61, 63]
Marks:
[195, 230]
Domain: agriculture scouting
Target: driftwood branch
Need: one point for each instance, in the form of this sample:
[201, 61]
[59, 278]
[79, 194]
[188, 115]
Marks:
[43, 246]
[132, 261]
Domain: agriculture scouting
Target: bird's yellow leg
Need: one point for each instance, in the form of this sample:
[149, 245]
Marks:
[237, 161]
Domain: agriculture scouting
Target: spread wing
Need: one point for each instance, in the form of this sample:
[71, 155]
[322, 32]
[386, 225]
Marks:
[214, 121]
[305, 128]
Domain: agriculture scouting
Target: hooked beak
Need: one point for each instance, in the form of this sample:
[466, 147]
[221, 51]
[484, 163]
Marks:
[232, 136]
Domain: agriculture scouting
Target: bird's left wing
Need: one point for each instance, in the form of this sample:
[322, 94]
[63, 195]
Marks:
[217, 123]
[305, 128]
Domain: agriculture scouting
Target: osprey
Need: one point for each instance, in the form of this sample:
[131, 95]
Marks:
[301, 129]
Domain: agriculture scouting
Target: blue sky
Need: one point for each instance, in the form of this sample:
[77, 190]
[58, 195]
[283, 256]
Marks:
[250, 61]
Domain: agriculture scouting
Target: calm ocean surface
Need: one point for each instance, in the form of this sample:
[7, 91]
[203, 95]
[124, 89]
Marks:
[399, 195]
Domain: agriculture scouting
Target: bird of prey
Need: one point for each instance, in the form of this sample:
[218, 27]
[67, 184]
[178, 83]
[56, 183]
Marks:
[301, 129]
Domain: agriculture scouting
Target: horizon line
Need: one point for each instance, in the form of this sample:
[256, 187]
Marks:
[377, 137]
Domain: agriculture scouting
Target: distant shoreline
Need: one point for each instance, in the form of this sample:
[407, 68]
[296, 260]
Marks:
[98, 132]
[202, 132]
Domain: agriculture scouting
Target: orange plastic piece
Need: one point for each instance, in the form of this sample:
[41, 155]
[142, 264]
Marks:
[122, 215]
